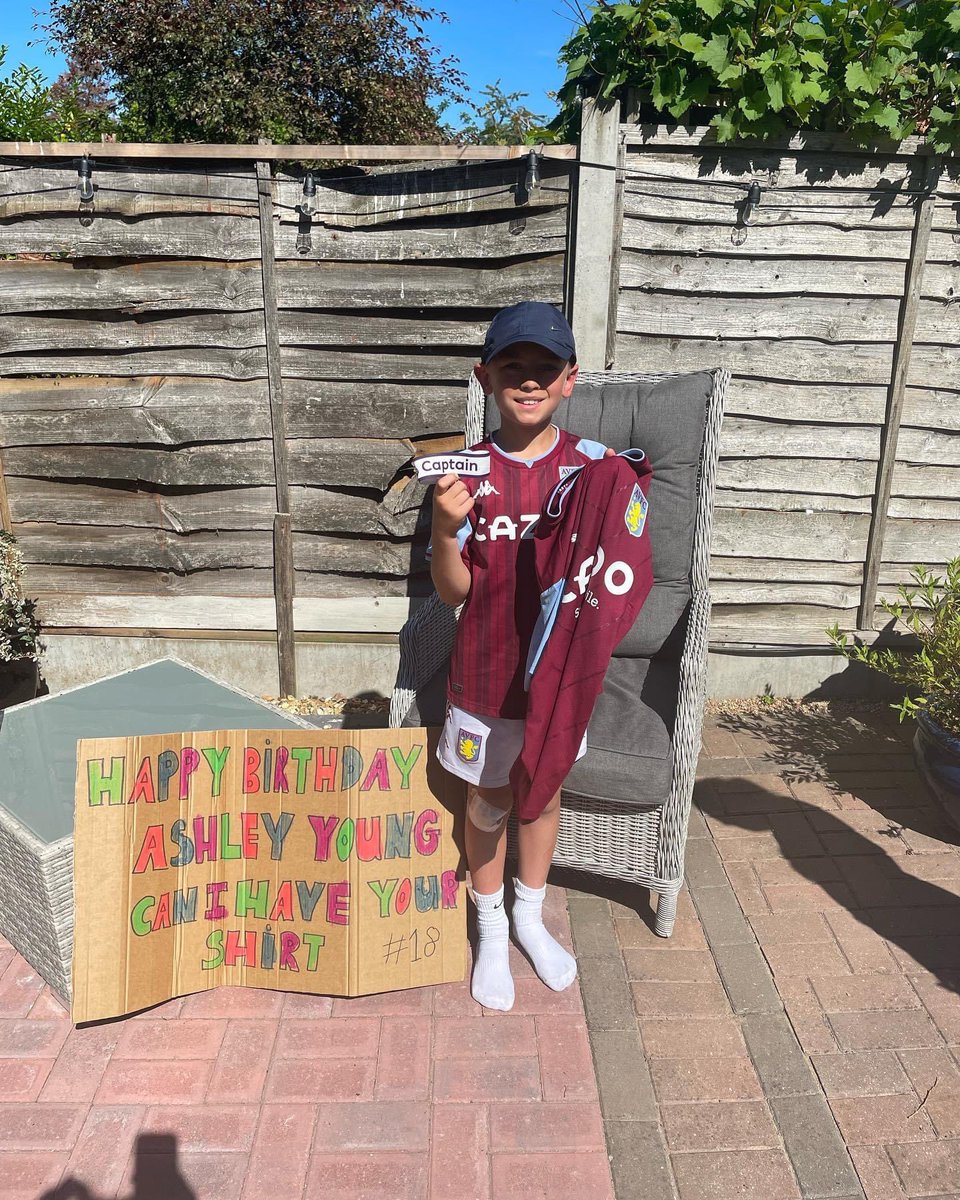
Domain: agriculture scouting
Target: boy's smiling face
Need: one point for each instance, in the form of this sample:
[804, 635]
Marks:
[528, 382]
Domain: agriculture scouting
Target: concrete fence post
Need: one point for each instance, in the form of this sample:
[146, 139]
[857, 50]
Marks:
[595, 234]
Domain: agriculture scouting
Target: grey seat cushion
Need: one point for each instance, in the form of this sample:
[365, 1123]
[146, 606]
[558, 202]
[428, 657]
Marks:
[630, 740]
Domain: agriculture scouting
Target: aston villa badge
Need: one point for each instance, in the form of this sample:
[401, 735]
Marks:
[468, 746]
[636, 515]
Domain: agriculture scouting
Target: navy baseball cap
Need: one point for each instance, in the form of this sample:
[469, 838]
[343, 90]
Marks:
[529, 321]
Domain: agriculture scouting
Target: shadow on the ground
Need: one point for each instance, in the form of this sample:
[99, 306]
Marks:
[825, 742]
[629, 895]
[156, 1175]
[864, 757]
[365, 710]
[869, 856]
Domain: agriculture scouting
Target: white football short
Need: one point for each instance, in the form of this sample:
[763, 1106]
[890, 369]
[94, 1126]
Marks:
[482, 749]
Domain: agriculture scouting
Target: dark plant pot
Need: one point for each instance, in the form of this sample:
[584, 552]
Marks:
[19, 681]
[937, 754]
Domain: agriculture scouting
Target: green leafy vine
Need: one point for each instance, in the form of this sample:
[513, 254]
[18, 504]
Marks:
[876, 70]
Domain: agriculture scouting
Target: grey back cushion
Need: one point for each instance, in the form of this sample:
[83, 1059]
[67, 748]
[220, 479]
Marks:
[629, 756]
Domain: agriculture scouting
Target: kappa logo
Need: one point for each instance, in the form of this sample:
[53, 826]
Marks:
[468, 745]
[486, 489]
[636, 515]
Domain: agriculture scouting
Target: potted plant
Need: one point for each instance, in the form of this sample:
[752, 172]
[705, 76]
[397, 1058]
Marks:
[929, 609]
[20, 646]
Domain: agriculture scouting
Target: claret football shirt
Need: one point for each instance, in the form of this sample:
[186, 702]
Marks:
[594, 567]
[488, 667]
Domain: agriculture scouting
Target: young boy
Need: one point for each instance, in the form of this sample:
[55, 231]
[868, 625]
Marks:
[482, 555]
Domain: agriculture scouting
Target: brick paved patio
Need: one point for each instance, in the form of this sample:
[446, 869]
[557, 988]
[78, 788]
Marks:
[799, 1036]
[266, 1096]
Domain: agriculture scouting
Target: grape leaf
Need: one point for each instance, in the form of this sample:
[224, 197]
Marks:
[725, 126]
[858, 79]
[666, 84]
[715, 54]
[798, 89]
[576, 66]
[753, 106]
[884, 115]
[774, 90]
[813, 58]
[691, 42]
[810, 31]
[680, 107]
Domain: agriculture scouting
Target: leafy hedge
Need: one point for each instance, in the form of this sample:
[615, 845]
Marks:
[33, 111]
[874, 69]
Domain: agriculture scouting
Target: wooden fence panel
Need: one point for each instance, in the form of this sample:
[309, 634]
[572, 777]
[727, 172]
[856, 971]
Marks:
[134, 410]
[172, 411]
[803, 305]
[135, 424]
[159, 287]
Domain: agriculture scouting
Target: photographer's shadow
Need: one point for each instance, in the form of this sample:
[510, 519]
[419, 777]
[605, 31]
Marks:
[156, 1175]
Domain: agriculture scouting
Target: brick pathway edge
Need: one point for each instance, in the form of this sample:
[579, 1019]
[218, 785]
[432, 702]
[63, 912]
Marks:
[633, 1123]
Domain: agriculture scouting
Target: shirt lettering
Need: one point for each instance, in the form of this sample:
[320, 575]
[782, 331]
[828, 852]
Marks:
[505, 527]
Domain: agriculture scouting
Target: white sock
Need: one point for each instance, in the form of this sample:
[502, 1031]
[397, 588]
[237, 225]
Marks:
[553, 964]
[492, 984]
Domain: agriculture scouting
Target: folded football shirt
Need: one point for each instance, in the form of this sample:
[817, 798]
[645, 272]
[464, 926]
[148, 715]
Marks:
[488, 666]
[592, 560]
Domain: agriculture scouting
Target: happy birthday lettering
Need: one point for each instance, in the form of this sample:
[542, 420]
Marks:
[311, 861]
[182, 773]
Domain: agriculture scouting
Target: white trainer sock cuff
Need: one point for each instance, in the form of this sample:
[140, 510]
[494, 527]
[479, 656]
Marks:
[488, 901]
[529, 894]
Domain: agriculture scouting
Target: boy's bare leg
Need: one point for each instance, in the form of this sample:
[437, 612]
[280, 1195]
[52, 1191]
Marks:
[487, 850]
[486, 844]
[536, 842]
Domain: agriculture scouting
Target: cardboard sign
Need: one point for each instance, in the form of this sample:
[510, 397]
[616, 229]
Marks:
[307, 861]
[472, 463]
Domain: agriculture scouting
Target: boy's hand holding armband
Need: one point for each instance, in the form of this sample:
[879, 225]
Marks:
[451, 503]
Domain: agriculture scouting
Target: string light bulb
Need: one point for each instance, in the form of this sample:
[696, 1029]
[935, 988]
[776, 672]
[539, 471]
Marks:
[752, 202]
[308, 203]
[85, 172]
[532, 179]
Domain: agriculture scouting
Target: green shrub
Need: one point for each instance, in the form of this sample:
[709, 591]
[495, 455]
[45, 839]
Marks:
[501, 120]
[930, 610]
[19, 627]
[872, 69]
[31, 110]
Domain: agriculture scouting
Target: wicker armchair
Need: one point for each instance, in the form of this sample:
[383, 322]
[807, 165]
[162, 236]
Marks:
[626, 837]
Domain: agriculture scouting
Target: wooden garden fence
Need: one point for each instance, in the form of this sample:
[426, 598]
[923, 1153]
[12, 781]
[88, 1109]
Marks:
[834, 303]
[215, 373]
